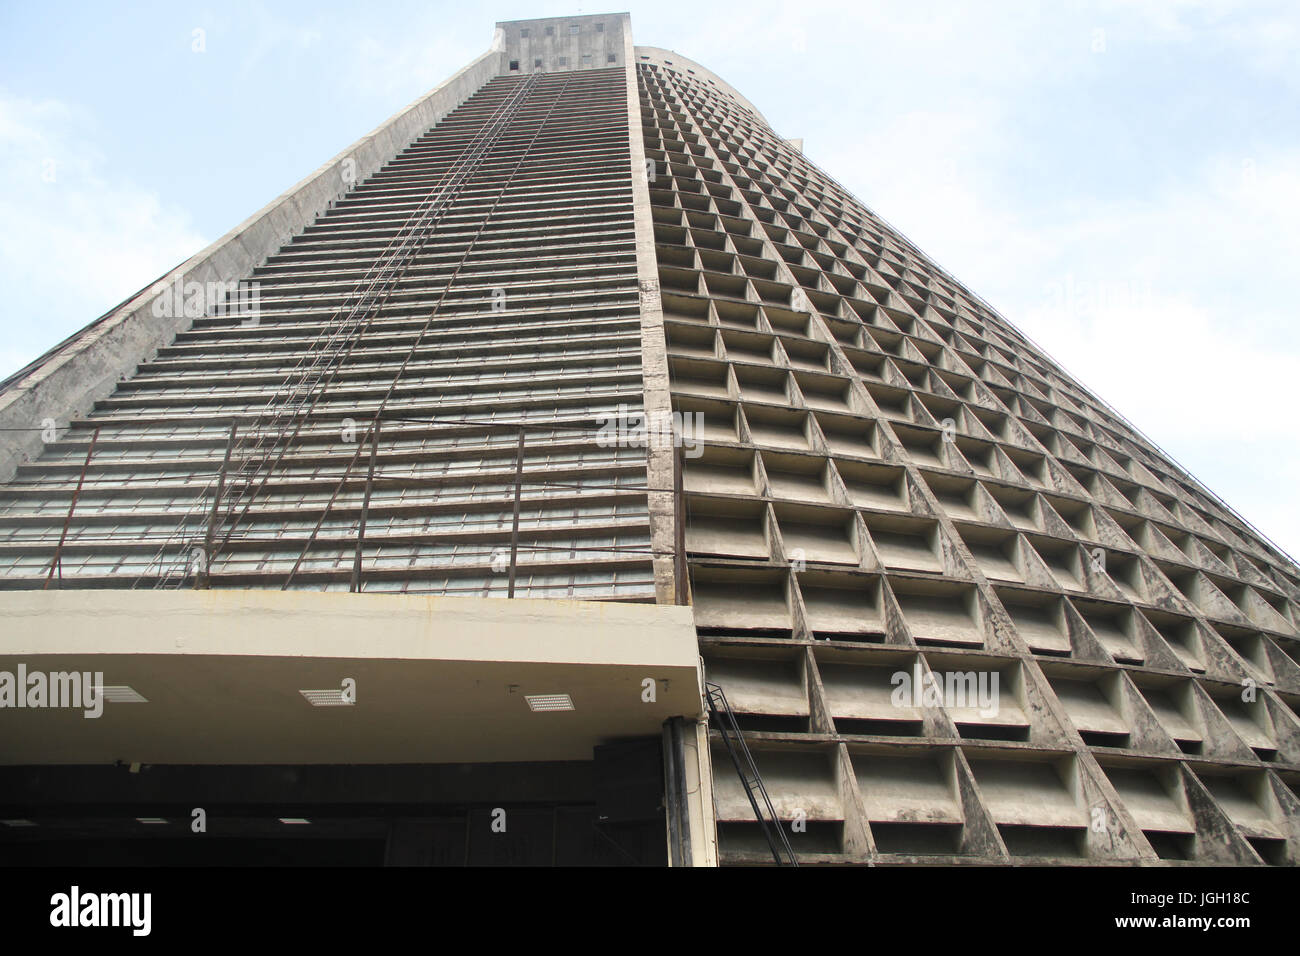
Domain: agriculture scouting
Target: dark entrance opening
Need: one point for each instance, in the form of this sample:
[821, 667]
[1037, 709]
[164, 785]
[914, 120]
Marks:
[607, 811]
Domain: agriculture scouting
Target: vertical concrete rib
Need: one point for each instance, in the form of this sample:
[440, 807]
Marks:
[660, 457]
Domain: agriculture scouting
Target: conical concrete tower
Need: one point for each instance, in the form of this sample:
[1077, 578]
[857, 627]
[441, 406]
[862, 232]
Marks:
[579, 325]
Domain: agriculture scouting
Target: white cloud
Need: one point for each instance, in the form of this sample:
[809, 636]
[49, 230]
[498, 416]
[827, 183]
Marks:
[381, 69]
[76, 239]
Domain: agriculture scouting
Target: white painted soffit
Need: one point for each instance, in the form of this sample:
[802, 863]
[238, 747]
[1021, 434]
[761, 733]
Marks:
[405, 679]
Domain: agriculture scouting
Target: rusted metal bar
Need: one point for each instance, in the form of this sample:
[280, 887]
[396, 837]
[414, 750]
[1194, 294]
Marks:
[57, 560]
[202, 578]
[365, 508]
[679, 528]
[514, 527]
[347, 473]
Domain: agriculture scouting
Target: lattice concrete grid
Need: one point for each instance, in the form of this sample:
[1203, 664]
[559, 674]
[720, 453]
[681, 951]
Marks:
[963, 611]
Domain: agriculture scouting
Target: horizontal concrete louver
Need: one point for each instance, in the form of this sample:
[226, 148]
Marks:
[1184, 638]
[846, 608]
[800, 479]
[984, 698]
[721, 471]
[797, 783]
[1249, 803]
[1172, 713]
[1039, 620]
[1249, 650]
[1155, 802]
[726, 527]
[940, 613]
[908, 789]
[1112, 627]
[738, 600]
[773, 687]
[861, 697]
[1029, 793]
[1253, 721]
[1147, 730]
[906, 544]
[1089, 709]
[996, 552]
[823, 535]
[877, 487]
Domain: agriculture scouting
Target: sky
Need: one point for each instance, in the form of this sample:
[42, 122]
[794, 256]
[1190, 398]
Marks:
[1120, 180]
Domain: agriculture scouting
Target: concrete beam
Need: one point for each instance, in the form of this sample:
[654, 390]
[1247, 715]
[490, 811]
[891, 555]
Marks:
[228, 677]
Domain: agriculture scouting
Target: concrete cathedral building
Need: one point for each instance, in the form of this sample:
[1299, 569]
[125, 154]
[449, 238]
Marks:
[425, 517]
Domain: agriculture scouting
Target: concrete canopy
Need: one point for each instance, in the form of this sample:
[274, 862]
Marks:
[223, 673]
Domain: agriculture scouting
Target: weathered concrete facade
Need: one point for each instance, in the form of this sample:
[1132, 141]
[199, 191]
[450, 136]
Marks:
[964, 611]
[961, 610]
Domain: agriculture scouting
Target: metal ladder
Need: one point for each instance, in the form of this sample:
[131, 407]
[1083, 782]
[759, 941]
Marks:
[265, 441]
[721, 716]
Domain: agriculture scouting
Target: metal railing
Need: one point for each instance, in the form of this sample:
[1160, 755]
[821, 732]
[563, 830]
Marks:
[720, 715]
[262, 443]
